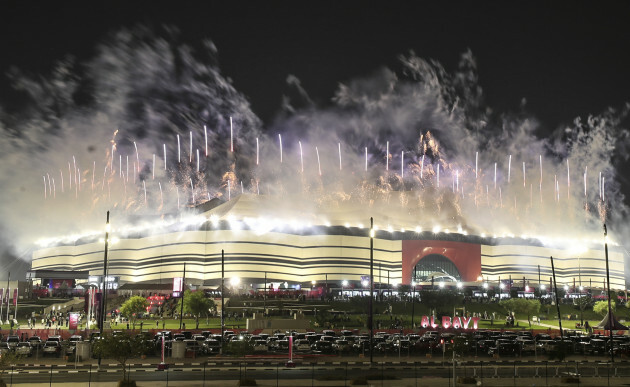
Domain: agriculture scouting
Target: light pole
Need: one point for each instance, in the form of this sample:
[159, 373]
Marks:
[181, 311]
[101, 322]
[101, 317]
[413, 300]
[222, 298]
[555, 288]
[371, 326]
[610, 316]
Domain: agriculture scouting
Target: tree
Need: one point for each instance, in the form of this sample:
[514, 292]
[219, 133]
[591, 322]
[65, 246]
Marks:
[582, 303]
[121, 347]
[532, 308]
[132, 307]
[6, 360]
[196, 303]
[522, 306]
[601, 307]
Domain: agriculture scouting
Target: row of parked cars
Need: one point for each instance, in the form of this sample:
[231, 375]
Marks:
[479, 343]
[53, 346]
[522, 343]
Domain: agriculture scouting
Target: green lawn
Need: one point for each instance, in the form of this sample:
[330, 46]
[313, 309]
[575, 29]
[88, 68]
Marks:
[356, 310]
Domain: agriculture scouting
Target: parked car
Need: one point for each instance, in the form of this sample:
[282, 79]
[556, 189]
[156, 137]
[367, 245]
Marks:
[212, 346]
[36, 342]
[72, 344]
[192, 346]
[55, 338]
[403, 346]
[302, 345]
[52, 347]
[596, 347]
[24, 348]
[384, 347]
[272, 343]
[12, 341]
[527, 346]
[283, 345]
[260, 346]
[341, 346]
[504, 348]
[322, 346]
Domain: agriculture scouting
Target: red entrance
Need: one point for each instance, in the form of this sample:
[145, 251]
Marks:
[465, 256]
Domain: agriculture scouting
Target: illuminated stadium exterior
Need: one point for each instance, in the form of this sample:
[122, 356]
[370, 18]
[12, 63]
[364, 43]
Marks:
[299, 253]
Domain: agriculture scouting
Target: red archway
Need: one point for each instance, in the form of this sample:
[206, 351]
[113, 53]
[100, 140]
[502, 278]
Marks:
[465, 256]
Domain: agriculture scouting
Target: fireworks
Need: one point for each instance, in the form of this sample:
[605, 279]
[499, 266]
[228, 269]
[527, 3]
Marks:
[419, 187]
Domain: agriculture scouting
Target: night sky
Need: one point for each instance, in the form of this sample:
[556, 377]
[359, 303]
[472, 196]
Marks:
[565, 60]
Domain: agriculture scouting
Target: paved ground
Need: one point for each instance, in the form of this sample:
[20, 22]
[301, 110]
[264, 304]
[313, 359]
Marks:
[390, 383]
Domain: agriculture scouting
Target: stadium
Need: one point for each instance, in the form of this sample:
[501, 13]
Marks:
[300, 247]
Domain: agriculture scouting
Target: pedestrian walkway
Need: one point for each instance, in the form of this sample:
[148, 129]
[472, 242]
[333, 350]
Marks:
[526, 323]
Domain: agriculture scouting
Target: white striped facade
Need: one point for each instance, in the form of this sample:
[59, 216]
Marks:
[585, 267]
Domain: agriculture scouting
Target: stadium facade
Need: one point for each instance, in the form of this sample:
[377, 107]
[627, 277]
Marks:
[301, 253]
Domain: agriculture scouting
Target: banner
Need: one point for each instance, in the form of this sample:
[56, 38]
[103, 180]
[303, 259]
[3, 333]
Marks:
[15, 296]
[178, 284]
[74, 321]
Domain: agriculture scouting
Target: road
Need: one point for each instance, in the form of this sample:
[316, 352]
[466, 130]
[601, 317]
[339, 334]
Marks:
[314, 373]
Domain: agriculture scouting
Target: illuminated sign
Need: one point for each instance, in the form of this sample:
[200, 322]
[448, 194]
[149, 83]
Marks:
[448, 322]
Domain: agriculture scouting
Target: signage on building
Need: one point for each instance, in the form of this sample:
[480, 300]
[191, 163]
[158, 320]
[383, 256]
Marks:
[96, 280]
[448, 322]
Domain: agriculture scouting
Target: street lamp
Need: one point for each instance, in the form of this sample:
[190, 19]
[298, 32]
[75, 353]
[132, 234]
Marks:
[234, 281]
[413, 302]
[371, 315]
[104, 283]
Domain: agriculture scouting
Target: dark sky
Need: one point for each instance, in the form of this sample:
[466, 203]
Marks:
[566, 59]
